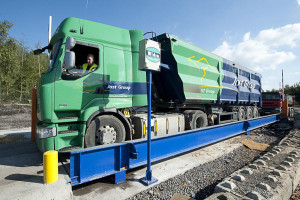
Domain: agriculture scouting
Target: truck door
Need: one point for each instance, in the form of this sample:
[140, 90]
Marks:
[118, 86]
[77, 87]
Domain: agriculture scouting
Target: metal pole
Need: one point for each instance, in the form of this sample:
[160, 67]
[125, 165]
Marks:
[282, 87]
[149, 171]
[149, 179]
[49, 29]
[34, 118]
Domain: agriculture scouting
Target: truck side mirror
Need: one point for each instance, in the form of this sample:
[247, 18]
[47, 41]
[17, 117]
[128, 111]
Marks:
[69, 61]
[37, 51]
[70, 43]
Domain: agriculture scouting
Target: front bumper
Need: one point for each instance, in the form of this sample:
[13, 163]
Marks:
[270, 110]
[44, 144]
[60, 137]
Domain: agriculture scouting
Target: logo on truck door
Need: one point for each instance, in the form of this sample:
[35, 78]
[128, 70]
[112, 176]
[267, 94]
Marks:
[153, 54]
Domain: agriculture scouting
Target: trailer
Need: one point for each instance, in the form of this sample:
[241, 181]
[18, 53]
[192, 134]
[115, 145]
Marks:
[80, 108]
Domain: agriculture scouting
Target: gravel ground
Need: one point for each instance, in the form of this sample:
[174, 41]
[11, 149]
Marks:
[14, 116]
[296, 194]
[200, 182]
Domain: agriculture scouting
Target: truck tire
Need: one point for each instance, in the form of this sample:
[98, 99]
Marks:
[249, 112]
[255, 112]
[104, 130]
[241, 113]
[195, 119]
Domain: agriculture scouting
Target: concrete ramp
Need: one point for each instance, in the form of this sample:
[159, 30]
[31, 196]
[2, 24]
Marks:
[21, 174]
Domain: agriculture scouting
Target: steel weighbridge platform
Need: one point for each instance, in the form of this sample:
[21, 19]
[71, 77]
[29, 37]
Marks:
[97, 162]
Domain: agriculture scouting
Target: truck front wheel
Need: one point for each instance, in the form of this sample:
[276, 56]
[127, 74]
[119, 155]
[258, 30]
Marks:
[104, 130]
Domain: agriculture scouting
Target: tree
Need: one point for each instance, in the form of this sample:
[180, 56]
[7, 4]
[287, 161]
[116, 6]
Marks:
[4, 28]
[9, 65]
[20, 69]
[293, 90]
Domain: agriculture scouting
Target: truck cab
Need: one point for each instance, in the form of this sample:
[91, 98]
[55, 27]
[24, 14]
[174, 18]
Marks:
[271, 103]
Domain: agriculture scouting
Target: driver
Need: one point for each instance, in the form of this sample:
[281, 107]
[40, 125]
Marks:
[90, 65]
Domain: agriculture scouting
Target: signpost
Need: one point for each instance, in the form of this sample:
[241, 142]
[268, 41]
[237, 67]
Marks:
[149, 60]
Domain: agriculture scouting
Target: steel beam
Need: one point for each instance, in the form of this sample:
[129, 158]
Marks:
[100, 161]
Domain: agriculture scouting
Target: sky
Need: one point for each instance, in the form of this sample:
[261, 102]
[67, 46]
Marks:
[263, 35]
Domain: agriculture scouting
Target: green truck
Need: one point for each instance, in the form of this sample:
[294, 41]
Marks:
[79, 108]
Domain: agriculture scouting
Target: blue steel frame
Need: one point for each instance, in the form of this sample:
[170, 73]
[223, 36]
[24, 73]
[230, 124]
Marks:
[97, 162]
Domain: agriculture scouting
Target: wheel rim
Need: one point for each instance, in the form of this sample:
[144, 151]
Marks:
[199, 123]
[242, 114]
[255, 113]
[106, 135]
[250, 114]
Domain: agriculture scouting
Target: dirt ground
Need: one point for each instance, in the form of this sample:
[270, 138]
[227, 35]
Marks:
[13, 116]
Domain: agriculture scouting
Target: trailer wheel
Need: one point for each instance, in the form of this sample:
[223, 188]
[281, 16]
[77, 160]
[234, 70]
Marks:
[195, 119]
[241, 113]
[104, 130]
[255, 112]
[249, 112]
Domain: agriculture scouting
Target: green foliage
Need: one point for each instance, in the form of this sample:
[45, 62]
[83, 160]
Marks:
[4, 28]
[293, 90]
[20, 69]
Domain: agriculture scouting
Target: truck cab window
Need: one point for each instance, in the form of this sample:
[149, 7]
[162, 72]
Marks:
[53, 55]
[86, 61]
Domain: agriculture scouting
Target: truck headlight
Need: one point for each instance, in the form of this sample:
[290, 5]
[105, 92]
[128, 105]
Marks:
[46, 132]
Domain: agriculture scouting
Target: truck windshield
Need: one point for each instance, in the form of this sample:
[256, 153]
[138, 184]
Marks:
[271, 96]
[289, 98]
[53, 54]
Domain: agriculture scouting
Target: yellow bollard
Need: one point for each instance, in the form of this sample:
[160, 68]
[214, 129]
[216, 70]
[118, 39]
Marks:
[285, 109]
[50, 160]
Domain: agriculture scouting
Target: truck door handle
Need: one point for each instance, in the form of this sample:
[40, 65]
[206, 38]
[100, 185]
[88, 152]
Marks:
[99, 90]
